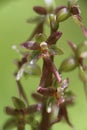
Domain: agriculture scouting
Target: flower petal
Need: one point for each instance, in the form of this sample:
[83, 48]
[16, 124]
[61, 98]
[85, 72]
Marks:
[72, 46]
[47, 91]
[18, 103]
[52, 39]
[40, 10]
[54, 50]
[10, 111]
[63, 113]
[31, 45]
[37, 97]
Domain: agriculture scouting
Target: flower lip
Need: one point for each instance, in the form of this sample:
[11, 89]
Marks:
[44, 46]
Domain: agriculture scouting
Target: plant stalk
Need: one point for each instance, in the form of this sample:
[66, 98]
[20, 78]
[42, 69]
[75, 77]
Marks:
[45, 122]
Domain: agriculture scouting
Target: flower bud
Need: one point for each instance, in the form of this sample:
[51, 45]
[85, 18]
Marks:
[50, 4]
[63, 14]
[54, 24]
[52, 17]
[68, 65]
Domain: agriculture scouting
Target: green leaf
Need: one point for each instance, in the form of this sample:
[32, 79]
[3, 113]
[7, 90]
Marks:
[56, 50]
[18, 103]
[9, 124]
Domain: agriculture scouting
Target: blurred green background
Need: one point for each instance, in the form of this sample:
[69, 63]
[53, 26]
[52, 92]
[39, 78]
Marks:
[14, 30]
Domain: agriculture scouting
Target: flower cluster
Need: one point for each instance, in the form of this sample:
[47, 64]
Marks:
[52, 95]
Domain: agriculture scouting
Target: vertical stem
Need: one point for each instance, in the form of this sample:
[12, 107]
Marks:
[45, 122]
[21, 124]
[21, 127]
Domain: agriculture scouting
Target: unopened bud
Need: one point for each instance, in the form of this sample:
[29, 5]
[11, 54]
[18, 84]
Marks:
[53, 22]
[68, 65]
[52, 17]
[50, 3]
[63, 14]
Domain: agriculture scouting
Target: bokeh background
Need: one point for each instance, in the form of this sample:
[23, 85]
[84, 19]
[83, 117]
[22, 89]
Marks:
[14, 30]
